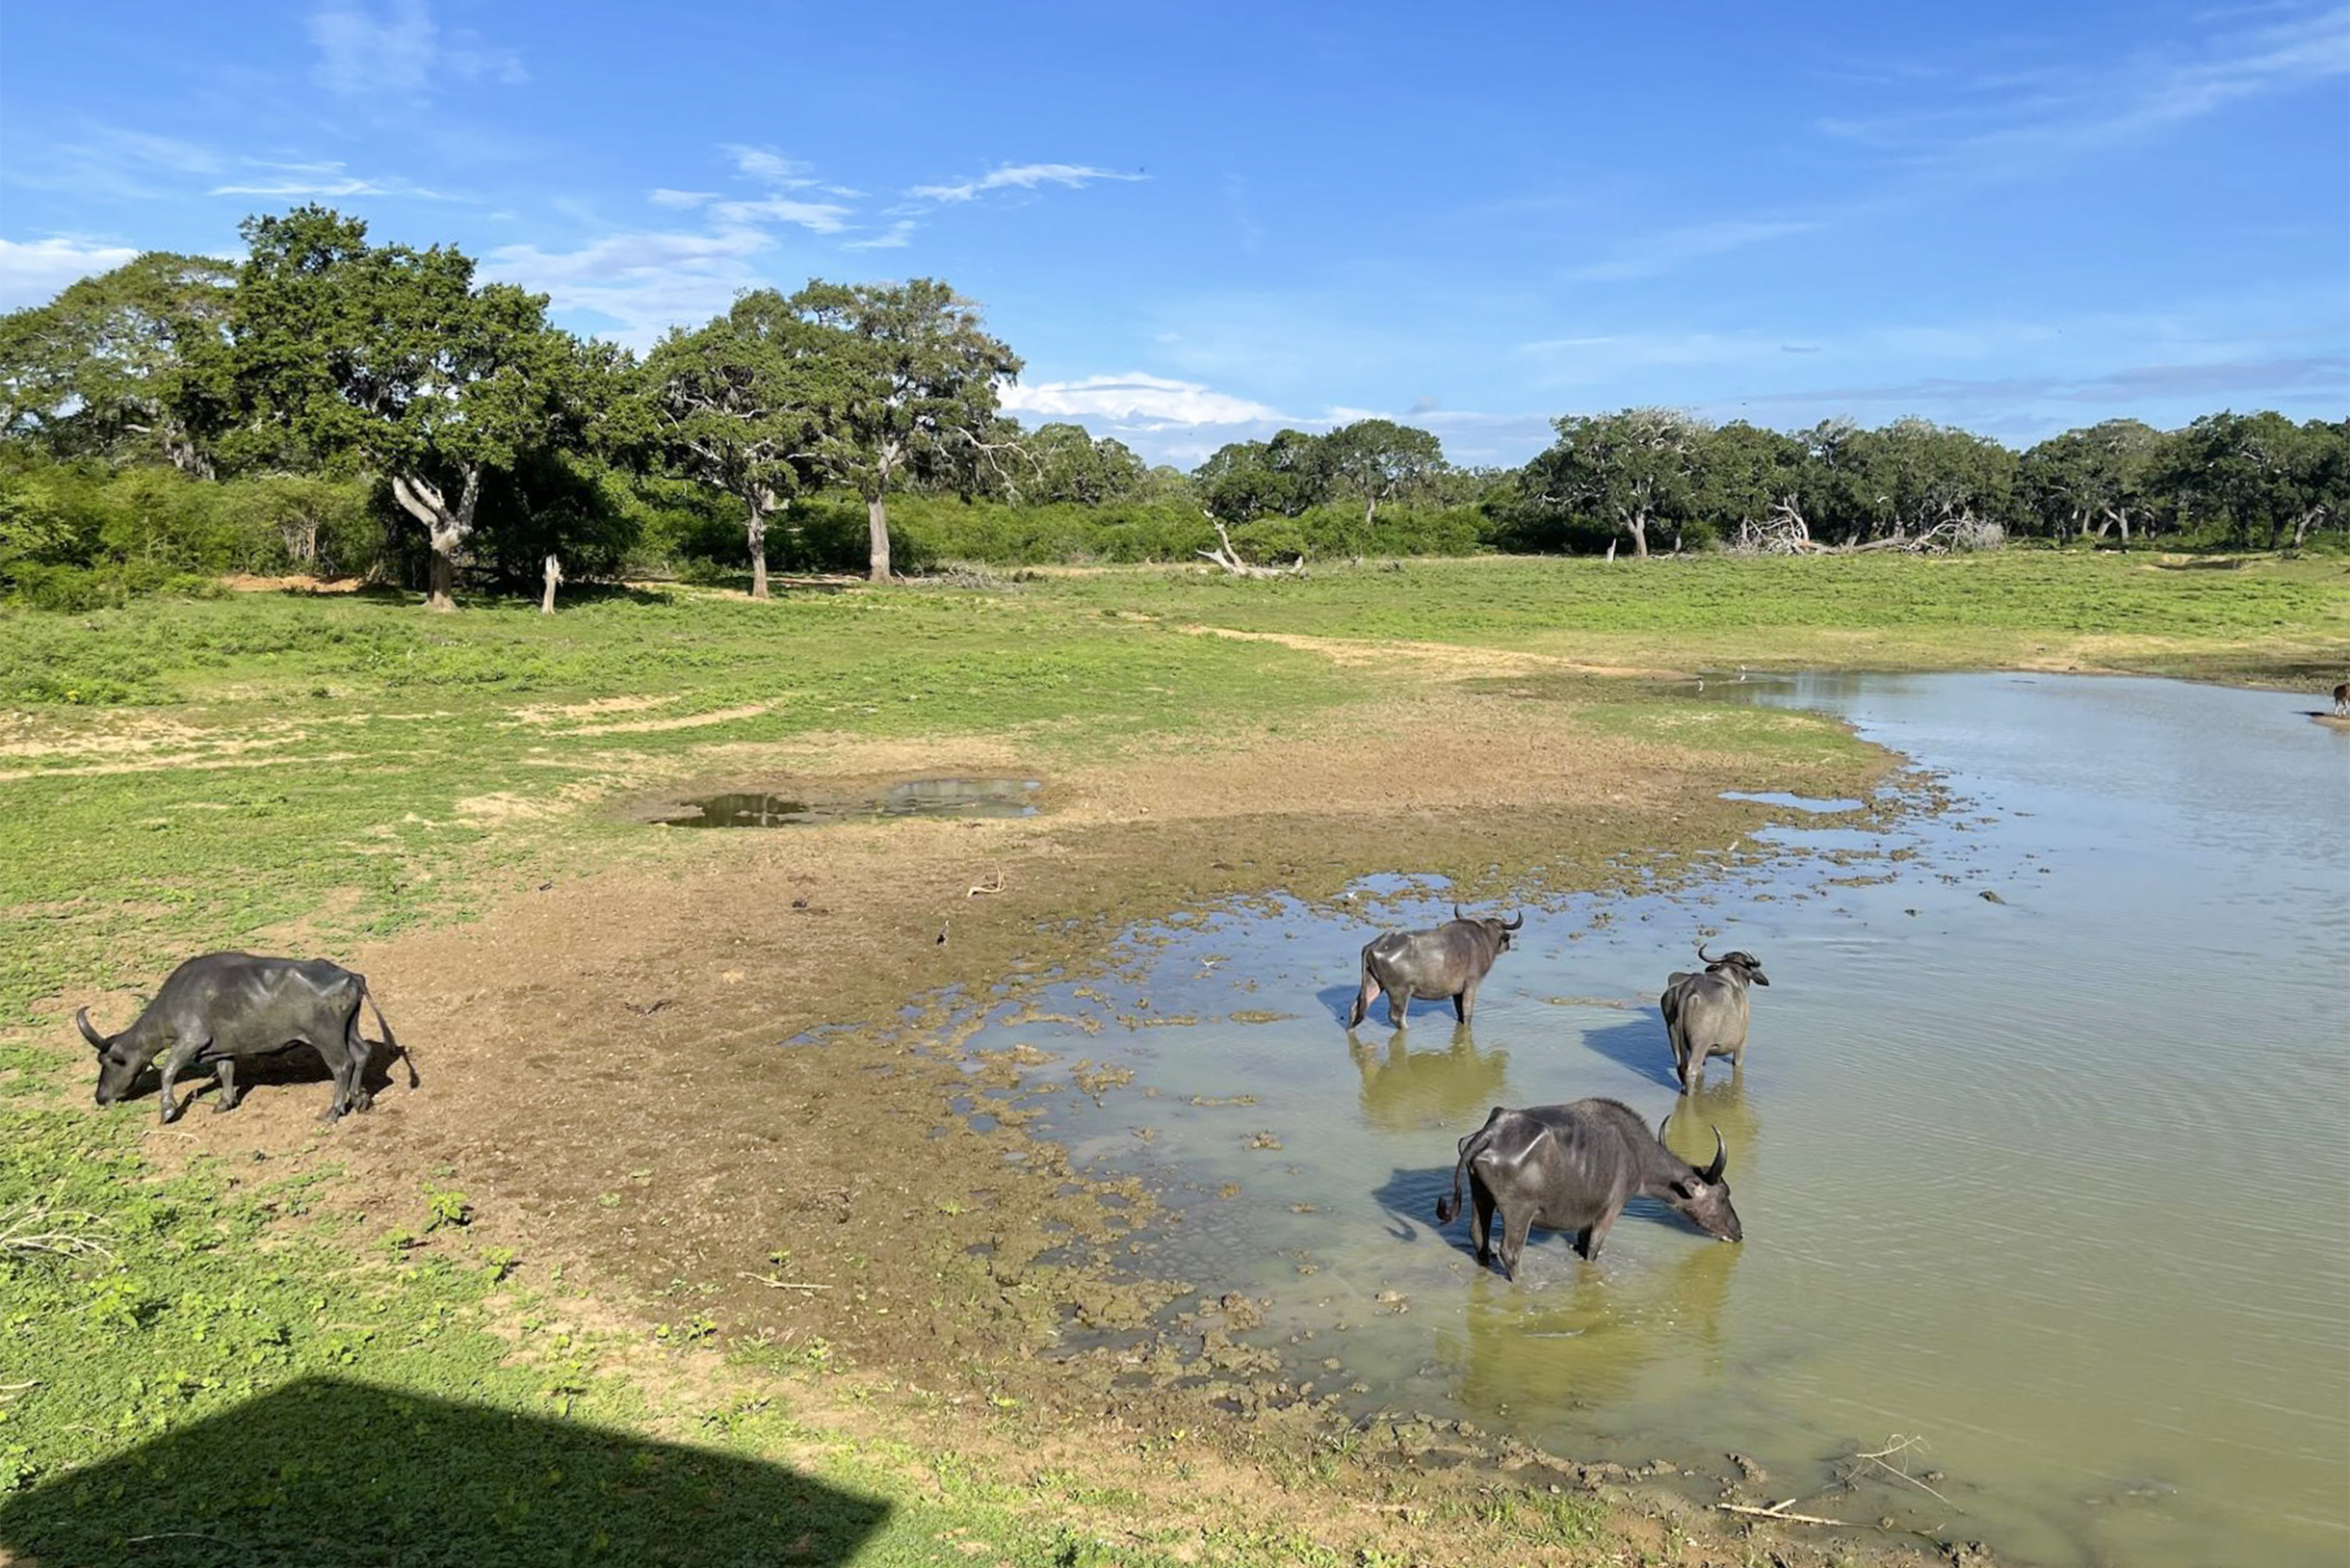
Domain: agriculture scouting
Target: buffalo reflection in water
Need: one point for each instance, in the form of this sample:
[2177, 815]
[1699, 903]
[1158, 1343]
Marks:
[1410, 1091]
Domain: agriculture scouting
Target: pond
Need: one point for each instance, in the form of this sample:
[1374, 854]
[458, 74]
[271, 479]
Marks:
[2056, 1185]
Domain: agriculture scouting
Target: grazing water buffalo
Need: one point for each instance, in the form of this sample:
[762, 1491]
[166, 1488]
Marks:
[221, 1007]
[1451, 960]
[1573, 1167]
[1705, 1015]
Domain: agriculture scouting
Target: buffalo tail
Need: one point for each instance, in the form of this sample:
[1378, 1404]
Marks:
[391, 1044]
[1449, 1205]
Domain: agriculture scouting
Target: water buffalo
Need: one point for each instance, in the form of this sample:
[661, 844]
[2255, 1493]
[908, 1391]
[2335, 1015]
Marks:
[223, 1006]
[1573, 1167]
[1705, 1015]
[1449, 961]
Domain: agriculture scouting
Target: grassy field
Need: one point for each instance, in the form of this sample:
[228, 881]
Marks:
[178, 776]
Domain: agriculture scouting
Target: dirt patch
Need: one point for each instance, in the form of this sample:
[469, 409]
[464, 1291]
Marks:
[643, 1075]
[1450, 658]
[247, 583]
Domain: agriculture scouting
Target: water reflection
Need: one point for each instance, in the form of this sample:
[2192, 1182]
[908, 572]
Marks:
[1405, 1090]
[1583, 1342]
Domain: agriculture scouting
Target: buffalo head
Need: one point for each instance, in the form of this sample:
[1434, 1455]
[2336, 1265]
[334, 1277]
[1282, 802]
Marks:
[119, 1065]
[1703, 1195]
[1501, 929]
[1749, 968]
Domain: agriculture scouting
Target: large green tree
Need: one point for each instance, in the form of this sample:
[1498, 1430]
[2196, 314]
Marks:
[912, 382]
[2261, 472]
[1634, 468]
[1279, 477]
[2092, 480]
[395, 360]
[1377, 459]
[739, 405]
[125, 366]
[1065, 462]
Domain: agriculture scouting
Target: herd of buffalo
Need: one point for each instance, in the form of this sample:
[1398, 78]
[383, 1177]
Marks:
[1566, 1167]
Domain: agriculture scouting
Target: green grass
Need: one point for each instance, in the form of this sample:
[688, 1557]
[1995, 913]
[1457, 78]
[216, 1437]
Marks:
[193, 1358]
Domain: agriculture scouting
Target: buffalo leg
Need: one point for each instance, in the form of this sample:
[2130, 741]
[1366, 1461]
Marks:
[176, 1061]
[1480, 1217]
[1396, 1003]
[358, 1099]
[339, 1063]
[1594, 1234]
[1513, 1239]
[224, 1072]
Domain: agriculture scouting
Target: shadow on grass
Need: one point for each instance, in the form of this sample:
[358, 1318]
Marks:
[324, 1474]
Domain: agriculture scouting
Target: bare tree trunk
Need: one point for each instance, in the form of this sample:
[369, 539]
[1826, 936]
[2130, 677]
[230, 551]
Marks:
[877, 530]
[1636, 525]
[756, 530]
[555, 575]
[447, 526]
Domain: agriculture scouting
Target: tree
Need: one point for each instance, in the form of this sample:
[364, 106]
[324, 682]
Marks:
[393, 358]
[1282, 478]
[1632, 468]
[1748, 476]
[1064, 463]
[912, 377]
[2262, 471]
[1377, 459]
[737, 407]
[125, 365]
[1920, 475]
[2099, 476]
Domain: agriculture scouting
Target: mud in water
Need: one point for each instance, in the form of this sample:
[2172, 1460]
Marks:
[2040, 1145]
[911, 798]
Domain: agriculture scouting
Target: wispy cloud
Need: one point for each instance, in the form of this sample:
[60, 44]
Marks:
[667, 198]
[816, 216]
[896, 237]
[323, 179]
[1018, 176]
[2013, 124]
[113, 163]
[1666, 249]
[645, 283]
[2128, 387]
[403, 49]
[32, 272]
[770, 167]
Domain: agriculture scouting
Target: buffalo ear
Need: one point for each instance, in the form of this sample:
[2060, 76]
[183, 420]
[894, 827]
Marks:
[1688, 1188]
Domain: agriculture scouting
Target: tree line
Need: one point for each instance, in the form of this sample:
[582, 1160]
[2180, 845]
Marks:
[334, 402]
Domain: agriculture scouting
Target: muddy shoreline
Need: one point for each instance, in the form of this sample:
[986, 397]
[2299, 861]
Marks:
[649, 1081]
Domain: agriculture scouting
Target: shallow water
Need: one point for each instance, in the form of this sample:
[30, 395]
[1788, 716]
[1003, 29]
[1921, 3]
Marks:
[2059, 1186]
[912, 797]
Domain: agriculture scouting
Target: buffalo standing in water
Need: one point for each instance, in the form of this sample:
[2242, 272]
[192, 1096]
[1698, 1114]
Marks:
[1448, 961]
[1706, 1015]
[1573, 1167]
[223, 1006]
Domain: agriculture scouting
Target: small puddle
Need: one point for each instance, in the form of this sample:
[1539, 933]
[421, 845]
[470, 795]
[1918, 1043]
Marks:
[1800, 802]
[911, 798]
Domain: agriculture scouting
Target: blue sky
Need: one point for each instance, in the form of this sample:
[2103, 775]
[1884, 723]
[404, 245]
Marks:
[1200, 221]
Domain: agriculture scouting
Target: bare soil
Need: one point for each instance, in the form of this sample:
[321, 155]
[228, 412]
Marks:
[620, 1070]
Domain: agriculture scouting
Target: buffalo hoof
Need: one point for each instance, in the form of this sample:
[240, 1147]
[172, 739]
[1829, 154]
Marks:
[334, 1112]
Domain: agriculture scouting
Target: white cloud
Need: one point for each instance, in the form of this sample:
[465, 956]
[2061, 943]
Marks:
[1668, 249]
[32, 271]
[325, 179]
[1018, 176]
[648, 282]
[817, 216]
[361, 54]
[1141, 401]
[667, 198]
[896, 237]
[770, 167]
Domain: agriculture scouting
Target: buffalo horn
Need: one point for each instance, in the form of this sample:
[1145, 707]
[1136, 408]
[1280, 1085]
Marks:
[1513, 925]
[81, 1020]
[1703, 956]
[1456, 913]
[1721, 1157]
